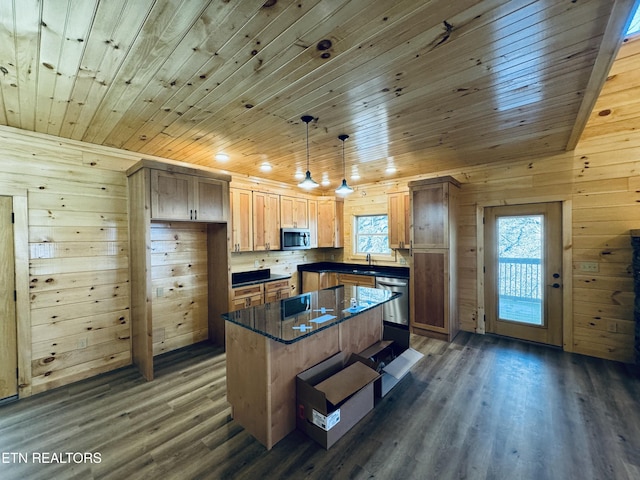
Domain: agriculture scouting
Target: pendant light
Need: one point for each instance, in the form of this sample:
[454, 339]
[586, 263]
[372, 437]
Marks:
[308, 182]
[343, 189]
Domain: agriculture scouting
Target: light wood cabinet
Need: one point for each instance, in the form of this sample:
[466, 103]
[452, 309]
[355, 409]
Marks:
[177, 196]
[294, 212]
[433, 293]
[248, 296]
[241, 220]
[356, 280]
[313, 281]
[276, 290]
[259, 293]
[155, 183]
[313, 222]
[399, 206]
[330, 223]
[266, 221]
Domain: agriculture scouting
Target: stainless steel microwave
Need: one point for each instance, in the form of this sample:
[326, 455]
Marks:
[295, 238]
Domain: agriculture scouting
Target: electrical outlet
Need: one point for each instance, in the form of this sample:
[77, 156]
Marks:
[612, 327]
[403, 261]
[160, 292]
[591, 267]
[82, 343]
[256, 263]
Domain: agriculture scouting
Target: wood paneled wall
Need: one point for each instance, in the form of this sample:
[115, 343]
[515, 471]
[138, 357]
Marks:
[601, 181]
[179, 284]
[78, 283]
[600, 184]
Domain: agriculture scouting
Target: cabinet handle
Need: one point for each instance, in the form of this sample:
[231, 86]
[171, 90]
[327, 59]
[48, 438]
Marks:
[411, 248]
[195, 214]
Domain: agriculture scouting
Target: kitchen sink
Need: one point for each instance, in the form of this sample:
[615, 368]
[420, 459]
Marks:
[364, 272]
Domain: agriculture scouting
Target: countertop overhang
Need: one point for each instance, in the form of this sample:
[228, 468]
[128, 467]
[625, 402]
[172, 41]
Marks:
[290, 320]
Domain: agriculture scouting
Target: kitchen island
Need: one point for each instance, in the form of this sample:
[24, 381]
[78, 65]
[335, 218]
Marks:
[268, 345]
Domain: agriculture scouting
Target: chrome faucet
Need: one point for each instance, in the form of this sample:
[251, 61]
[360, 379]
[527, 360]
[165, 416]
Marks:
[369, 259]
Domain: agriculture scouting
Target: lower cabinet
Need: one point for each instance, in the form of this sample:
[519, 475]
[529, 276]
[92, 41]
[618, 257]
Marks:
[277, 290]
[434, 309]
[252, 295]
[313, 281]
[245, 297]
[356, 280]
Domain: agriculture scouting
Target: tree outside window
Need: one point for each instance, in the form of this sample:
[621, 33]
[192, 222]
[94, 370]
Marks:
[372, 234]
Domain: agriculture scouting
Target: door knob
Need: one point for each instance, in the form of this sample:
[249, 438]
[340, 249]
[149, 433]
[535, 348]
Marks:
[555, 285]
[556, 275]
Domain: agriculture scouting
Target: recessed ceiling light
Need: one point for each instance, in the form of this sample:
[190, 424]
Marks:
[299, 174]
[222, 157]
[391, 169]
[355, 176]
[266, 167]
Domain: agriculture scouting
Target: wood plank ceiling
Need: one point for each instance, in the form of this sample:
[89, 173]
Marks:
[420, 85]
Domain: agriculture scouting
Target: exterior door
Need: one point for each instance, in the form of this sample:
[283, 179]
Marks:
[523, 271]
[8, 340]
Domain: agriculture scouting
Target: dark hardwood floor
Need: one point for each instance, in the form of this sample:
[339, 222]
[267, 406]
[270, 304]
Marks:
[481, 407]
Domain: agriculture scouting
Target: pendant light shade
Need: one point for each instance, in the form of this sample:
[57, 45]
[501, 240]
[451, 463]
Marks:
[343, 189]
[308, 182]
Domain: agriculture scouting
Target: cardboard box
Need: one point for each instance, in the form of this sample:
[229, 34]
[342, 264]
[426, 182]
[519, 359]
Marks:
[391, 357]
[333, 396]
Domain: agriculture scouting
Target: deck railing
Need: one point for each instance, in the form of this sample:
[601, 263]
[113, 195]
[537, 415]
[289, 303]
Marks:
[520, 277]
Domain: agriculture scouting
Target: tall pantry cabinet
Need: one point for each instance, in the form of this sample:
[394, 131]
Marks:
[178, 257]
[434, 306]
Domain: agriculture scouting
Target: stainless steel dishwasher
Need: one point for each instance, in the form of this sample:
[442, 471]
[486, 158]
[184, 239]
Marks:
[396, 311]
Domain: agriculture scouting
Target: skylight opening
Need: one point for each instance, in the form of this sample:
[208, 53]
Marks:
[634, 27]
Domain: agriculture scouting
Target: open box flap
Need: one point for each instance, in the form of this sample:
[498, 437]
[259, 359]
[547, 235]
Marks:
[346, 382]
[403, 363]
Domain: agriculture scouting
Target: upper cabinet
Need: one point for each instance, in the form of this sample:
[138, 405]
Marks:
[294, 212]
[183, 197]
[313, 222]
[399, 206]
[241, 220]
[431, 215]
[266, 221]
[330, 220]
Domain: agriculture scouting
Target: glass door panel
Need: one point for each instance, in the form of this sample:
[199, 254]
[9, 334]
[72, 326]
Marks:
[520, 264]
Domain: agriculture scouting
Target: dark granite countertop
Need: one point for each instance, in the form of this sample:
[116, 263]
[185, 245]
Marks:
[292, 319]
[359, 269]
[253, 277]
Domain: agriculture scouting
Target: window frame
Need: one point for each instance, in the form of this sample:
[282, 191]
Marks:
[361, 255]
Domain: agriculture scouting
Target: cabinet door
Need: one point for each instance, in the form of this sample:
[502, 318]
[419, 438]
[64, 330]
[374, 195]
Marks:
[356, 280]
[430, 211]
[399, 221]
[313, 222]
[245, 297]
[293, 212]
[274, 291]
[330, 217]
[430, 290]
[301, 213]
[211, 199]
[272, 221]
[171, 196]
[287, 215]
[241, 220]
[266, 221]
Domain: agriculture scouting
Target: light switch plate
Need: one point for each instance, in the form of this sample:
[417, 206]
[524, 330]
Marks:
[591, 267]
